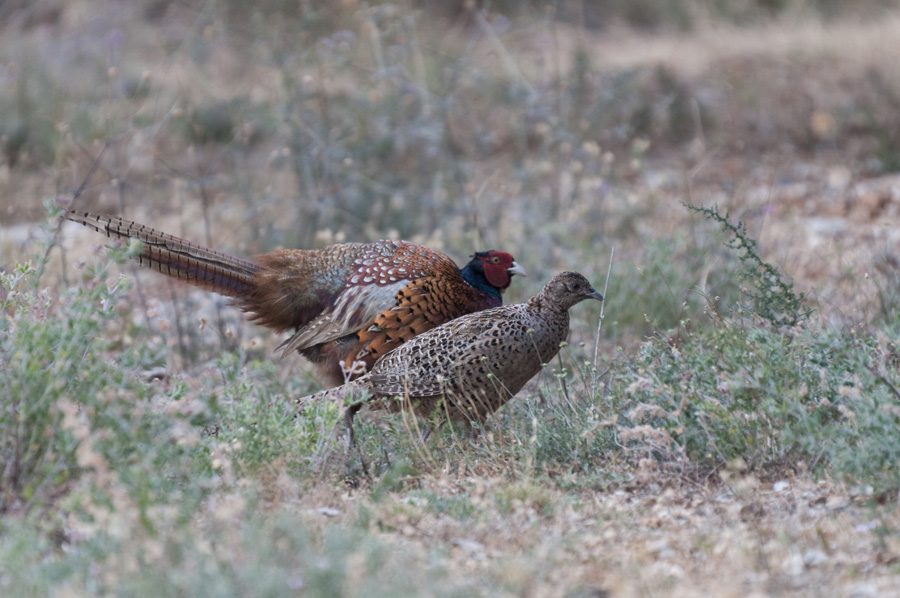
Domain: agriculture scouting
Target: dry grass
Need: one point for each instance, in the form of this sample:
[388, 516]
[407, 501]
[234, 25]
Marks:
[653, 537]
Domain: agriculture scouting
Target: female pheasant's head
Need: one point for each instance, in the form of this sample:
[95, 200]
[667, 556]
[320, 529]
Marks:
[567, 289]
[492, 271]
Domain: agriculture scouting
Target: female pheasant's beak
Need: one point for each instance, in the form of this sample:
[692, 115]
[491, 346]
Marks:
[592, 294]
[516, 269]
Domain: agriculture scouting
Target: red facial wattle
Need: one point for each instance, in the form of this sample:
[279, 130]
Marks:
[495, 268]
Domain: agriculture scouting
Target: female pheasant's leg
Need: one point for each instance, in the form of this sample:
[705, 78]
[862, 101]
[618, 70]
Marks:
[349, 413]
[426, 432]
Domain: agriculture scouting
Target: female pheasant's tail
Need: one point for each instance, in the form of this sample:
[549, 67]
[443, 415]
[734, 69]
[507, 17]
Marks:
[351, 395]
[178, 258]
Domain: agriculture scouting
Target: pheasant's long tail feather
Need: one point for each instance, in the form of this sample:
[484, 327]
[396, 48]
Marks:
[178, 258]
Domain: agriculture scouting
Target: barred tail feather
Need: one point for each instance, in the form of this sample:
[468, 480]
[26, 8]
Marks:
[178, 258]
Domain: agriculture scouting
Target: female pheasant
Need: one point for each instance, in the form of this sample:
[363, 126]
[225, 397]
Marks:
[346, 304]
[467, 368]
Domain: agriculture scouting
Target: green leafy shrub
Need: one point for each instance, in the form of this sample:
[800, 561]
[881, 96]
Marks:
[766, 397]
[773, 297]
[69, 406]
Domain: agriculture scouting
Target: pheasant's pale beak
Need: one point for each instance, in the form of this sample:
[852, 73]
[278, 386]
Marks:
[516, 269]
[592, 294]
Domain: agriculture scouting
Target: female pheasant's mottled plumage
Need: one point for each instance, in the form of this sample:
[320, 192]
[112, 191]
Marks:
[346, 304]
[468, 368]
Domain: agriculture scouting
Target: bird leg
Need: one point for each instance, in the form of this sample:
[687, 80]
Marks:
[426, 432]
[349, 412]
[470, 431]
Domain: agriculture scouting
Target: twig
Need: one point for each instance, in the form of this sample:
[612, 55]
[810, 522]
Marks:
[55, 240]
[508, 62]
[880, 377]
[612, 254]
[139, 287]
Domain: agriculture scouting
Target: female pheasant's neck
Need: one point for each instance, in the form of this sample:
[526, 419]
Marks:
[479, 282]
[540, 303]
[546, 303]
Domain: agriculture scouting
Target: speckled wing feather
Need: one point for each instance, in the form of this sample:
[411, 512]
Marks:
[420, 306]
[374, 283]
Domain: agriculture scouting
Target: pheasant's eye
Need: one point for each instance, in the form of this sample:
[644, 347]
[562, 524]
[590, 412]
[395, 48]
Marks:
[495, 260]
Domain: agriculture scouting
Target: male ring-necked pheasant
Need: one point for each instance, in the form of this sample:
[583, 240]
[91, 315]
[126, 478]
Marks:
[346, 304]
[468, 368]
